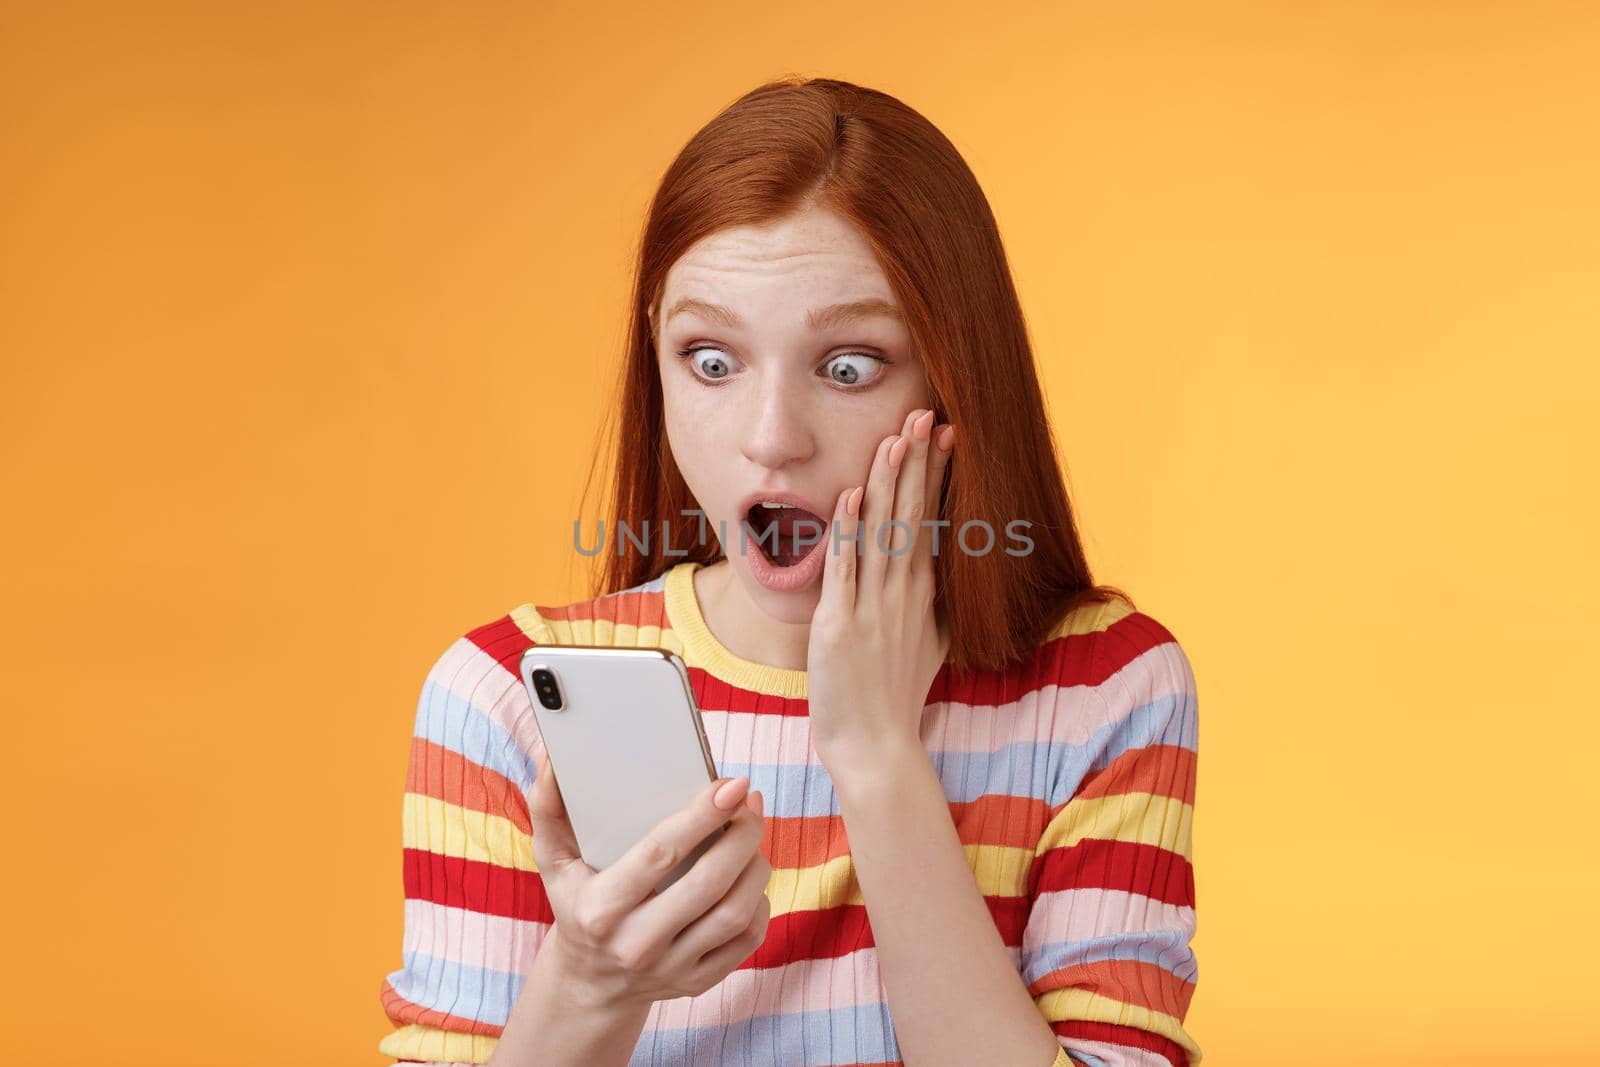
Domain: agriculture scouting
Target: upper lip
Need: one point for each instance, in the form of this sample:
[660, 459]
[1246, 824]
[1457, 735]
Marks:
[782, 496]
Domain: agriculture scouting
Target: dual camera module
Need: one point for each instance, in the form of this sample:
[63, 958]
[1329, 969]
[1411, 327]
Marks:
[544, 683]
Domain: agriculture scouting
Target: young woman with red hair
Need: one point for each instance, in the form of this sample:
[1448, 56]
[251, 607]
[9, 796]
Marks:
[966, 770]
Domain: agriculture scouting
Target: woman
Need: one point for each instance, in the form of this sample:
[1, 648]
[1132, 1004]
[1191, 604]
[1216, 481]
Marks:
[979, 764]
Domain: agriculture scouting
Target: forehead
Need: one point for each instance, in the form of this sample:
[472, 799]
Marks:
[809, 255]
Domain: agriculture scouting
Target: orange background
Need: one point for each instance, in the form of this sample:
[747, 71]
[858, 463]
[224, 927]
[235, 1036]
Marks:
[305, 308]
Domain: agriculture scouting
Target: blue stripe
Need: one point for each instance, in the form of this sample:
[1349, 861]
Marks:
[446, 719]
[862, 1033]
[1167, 949]
[457, 989]
[1022, 769]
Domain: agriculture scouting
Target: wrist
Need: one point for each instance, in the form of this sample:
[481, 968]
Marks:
[879, 765]
[555, 967]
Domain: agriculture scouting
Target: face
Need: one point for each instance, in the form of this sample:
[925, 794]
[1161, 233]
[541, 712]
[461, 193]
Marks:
[775, 392]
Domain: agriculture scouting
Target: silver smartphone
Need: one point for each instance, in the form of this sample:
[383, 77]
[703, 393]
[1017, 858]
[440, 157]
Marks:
[623, 733]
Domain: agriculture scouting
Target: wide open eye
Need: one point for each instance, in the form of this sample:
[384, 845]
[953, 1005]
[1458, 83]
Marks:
[854, 368]
[709, 362]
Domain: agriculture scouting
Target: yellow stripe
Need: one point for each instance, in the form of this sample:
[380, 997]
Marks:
[530, 622]
[1085, 1005]
[450, 830]
[704, 650]
[1091, 618]
[998, 870]
[1140, 818]
[598, 632]
[414, 1042]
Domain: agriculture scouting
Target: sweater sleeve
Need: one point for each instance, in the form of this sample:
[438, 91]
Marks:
[1105, 951]
[475, 908]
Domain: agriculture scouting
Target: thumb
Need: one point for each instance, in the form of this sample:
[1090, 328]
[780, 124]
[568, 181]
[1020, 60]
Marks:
[554, 844]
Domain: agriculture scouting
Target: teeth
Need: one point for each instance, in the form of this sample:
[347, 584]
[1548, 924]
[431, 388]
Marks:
[774, 504]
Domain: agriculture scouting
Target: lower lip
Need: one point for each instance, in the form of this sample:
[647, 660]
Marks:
[784, 579]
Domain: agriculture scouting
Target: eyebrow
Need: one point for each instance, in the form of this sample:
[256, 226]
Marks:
[818, 318]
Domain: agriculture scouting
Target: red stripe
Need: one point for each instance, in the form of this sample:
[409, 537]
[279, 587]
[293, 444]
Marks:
[1148, 985]
[486, 888]
[833, 932]
[402, 1011]
[1001, 820]
[711, 692]
[1097, 863]
[624, 608]
[1160, 770]
[1131, 1036]
[809, 934]
[1075, 659]
[1071, 659]
[436, 771]
[504, 642]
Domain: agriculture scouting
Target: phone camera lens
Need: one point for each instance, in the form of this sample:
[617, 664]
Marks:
[544, 683]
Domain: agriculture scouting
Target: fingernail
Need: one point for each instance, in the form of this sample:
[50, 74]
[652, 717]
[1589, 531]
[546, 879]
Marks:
[729, 793]
[755, 801]
[854, 506]
[897, 451]
[922, 425]
[947, 438]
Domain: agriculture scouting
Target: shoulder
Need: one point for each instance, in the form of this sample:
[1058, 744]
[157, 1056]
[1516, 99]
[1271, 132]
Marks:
[1118, 673]
[473, 703]
[628, 617]
[483, 660]
[1100, 643]
[1123, 653]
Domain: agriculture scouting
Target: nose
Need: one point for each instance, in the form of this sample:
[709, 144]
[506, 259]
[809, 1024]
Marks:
[777, 429]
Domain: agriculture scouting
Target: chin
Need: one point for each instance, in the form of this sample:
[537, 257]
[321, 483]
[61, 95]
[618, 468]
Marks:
[797, 606]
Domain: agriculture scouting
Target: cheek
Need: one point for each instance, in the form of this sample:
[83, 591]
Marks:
[692, 427]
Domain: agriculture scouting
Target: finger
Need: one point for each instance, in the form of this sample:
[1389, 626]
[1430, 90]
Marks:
[910, 498]
[714, 927]
[875, 506]
[839, 568]
[634, 876]
[714, 965]
[942, 438]
[554, 845]
[684, 901]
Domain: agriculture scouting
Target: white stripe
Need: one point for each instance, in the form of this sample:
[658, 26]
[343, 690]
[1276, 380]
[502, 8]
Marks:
[1079, 914]
[472, 938]
[1118, 1055]
[478, 678]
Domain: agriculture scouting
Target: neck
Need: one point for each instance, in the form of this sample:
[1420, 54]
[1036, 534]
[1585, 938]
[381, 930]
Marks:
[742, 626]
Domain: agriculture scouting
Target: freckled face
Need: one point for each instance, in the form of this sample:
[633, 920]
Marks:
[764, 396]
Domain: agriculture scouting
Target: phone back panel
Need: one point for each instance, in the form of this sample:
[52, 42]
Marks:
[627, 744]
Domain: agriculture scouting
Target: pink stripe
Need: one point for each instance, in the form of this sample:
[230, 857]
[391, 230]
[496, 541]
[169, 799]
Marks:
[1050, 714]
[504, 944]
[458, 935]
[804, 985]
[946, 727]
[1079, 914]
[1121, 1055]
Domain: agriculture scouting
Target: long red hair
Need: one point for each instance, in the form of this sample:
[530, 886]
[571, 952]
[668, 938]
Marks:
[795, 142]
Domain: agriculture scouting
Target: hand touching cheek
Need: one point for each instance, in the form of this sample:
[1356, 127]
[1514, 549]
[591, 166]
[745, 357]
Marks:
[875, 646]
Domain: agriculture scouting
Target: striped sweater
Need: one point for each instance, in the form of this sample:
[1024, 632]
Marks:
[1071, 782]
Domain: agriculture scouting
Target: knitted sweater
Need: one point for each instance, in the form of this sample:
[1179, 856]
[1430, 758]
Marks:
[1070, 779]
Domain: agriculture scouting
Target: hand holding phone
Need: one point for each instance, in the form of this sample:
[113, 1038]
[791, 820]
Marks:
[618, 937]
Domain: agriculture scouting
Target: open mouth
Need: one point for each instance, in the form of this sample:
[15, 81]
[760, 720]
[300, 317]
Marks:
[784, 535]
